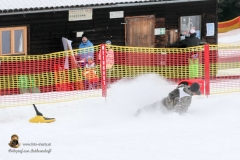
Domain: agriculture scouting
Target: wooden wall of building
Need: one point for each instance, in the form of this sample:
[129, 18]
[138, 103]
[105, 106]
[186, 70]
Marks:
[46, 29]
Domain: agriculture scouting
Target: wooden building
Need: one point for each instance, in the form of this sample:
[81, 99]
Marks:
[29, 30]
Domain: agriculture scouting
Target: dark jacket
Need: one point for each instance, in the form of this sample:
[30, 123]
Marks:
[190, 42]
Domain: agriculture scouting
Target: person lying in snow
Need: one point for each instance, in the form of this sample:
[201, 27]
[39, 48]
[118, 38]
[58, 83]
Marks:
[177, 100]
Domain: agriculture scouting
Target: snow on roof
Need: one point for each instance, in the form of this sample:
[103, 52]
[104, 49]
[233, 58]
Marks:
[26, 4]
[16, 5]
[34, 6]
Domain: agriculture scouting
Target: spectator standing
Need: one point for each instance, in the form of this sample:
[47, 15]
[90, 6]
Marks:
[109, 55]
[86, 47]
[190, 41]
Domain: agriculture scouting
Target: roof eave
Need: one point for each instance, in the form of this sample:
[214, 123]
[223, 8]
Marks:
[76, 7]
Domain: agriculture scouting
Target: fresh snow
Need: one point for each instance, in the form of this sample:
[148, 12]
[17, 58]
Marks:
[106, 129]
[230, 37]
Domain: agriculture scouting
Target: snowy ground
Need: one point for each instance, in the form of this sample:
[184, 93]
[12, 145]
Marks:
[232, 37]
[229, 38]
[95, 129]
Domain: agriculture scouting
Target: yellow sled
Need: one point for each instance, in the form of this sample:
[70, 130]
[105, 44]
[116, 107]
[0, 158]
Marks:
[39, 118]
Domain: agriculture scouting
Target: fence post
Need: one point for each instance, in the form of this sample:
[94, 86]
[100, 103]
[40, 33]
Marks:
[207, 69]
[103, 70]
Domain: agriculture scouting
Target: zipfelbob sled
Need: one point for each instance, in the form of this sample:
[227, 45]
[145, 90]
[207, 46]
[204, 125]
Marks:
[39, 118]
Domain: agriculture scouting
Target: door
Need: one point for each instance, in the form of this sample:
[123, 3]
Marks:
[171, 38]
[139, 31]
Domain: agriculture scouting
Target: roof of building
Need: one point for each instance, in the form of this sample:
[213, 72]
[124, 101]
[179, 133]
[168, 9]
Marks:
[10, 6]
[22, 4]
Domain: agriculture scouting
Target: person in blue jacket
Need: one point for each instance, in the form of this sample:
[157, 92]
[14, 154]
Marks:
[87, 49]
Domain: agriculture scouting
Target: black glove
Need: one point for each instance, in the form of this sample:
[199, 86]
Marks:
[198, 93]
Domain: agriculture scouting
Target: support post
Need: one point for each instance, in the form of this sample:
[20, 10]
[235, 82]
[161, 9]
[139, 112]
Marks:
[103, 70]
[207, 69]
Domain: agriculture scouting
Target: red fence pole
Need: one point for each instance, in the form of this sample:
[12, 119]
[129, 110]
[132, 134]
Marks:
[103, 69]
[207, 69]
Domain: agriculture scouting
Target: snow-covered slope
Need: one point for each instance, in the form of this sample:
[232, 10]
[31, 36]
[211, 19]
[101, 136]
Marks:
[99, 129]
[232, 37]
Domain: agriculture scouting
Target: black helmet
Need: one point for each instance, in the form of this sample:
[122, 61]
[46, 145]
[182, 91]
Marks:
[194, 87]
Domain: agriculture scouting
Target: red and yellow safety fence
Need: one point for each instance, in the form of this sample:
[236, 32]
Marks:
[227, 78]
[229, 25]
[48, 78]
[65, 76]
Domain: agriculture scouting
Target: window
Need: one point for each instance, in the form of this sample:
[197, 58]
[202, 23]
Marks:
[13, 41]
[190, 22]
